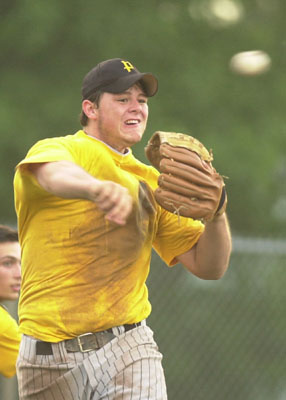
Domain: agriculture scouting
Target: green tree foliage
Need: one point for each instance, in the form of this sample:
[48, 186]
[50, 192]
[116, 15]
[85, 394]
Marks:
[48, 46]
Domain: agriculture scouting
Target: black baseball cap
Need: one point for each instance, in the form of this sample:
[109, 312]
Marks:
[115, 76]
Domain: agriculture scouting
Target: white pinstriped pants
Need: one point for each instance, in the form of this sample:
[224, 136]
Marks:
[128, 367]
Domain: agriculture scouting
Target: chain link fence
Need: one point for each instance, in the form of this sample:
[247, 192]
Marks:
[221, 340]
[225, 339]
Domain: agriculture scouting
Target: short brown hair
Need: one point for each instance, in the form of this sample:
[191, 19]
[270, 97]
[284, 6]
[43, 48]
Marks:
[94, 98]
[8, 234]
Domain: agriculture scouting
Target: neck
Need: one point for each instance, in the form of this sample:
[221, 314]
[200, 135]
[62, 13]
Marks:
[126, 150]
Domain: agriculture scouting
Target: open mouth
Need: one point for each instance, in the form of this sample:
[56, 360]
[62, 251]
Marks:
[132, 122]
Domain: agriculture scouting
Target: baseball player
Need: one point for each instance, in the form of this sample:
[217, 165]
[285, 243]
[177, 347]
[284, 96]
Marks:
[10, 279]
[88, 221]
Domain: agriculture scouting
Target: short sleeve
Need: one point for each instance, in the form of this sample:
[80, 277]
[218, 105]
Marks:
[175, 236]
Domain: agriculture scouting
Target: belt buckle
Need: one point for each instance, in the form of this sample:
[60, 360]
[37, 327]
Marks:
[80, 344]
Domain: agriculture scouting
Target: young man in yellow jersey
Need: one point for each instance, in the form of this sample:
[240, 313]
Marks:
[10, 279]
[88, 222]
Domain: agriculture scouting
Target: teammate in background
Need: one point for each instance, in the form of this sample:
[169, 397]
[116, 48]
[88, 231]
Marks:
[10, 279]
[87, 223]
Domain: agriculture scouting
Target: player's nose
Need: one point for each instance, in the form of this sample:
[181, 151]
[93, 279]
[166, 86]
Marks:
[17, 270]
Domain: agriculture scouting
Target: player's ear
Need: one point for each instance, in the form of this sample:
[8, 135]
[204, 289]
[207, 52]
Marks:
[90, 109]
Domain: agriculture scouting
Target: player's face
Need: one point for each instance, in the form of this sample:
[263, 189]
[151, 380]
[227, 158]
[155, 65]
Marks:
[10, 270]
[122, 118]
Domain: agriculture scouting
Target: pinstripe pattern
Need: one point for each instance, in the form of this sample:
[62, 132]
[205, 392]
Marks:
[128, 367]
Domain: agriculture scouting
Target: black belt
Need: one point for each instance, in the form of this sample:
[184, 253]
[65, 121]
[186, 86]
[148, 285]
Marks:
[83, 343]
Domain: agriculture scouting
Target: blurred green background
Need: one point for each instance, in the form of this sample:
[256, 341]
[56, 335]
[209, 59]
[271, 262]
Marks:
[220, 336]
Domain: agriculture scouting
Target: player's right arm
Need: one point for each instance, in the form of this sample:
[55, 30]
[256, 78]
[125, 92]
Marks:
[68, 180]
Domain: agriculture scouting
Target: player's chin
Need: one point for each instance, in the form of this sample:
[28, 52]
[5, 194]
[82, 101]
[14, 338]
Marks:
[13, 296]
[133, 137]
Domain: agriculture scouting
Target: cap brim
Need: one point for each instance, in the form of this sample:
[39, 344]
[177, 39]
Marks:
[149, 81]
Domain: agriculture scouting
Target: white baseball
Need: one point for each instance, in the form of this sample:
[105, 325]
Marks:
[253, 62]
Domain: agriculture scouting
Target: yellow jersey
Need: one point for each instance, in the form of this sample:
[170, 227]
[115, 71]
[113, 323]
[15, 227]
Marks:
[9, 343]
[80, 272]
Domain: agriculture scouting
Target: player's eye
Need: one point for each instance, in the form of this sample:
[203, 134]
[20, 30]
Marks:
[8, 262]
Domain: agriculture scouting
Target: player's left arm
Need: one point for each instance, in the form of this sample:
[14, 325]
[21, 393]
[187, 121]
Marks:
[209, 258]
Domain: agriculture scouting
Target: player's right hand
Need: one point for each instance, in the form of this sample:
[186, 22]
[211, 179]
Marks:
[113, 199]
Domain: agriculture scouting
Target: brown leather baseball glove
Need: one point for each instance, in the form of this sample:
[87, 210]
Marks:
[188, 184]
